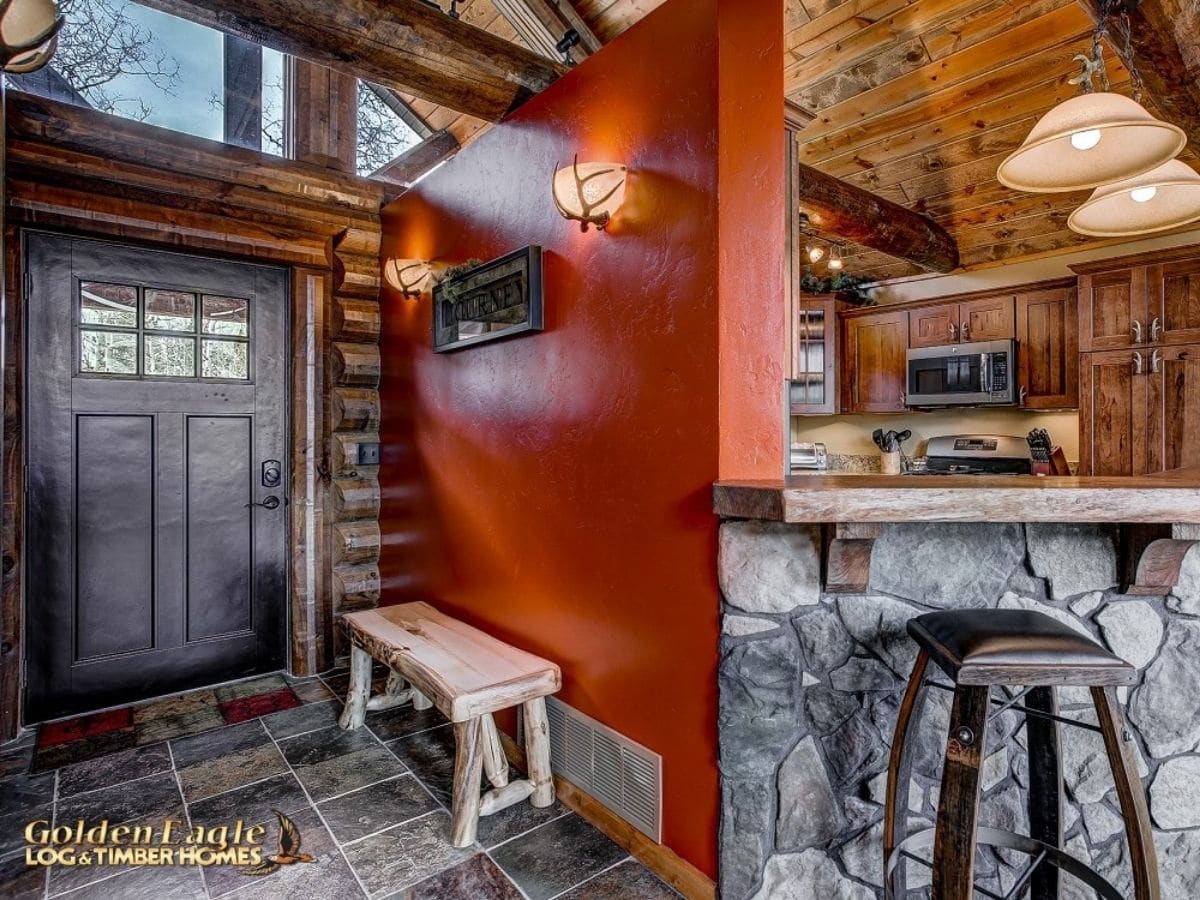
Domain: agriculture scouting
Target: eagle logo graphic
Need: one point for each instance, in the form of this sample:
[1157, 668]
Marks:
[289, 849]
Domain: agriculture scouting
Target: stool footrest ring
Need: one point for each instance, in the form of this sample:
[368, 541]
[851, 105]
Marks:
[1008, 840]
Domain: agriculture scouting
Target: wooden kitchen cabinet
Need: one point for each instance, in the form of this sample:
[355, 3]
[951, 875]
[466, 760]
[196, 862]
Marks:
[1175, 302]
[1140, 301]
[812, 389]
[933, 326]
[983, 319]
[1140, 410]
[1047, 348]
[874, 350]
[986, 319]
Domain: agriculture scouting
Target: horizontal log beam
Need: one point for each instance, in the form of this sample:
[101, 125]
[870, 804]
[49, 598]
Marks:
[405, 45]
[1164, 44]
[841, 209]
[418, 159]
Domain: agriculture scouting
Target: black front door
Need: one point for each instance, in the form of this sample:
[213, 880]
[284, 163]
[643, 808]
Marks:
[156, 452]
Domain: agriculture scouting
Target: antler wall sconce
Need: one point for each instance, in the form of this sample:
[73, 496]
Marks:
[589, 193]
[409, 276]
[28, 34]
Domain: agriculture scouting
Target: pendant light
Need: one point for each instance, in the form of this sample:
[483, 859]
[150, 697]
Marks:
[28, 34]
[1092, 139]
[1163, 198]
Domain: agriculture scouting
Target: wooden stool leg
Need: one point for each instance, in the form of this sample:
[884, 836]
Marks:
[1045, 787]
[468, 759]
[420, 701]
[1121, 757]
[495, 763]
[537, 752]
[360, 689]
[895, 810]
[395, 693]
[958, 808]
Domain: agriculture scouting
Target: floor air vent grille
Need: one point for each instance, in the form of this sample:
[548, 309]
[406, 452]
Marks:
[624, 776]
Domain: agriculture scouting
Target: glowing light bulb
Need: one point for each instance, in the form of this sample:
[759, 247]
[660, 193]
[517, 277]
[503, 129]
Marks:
[1143, 194]
[815, 252]
[1085, 140]
[835, 259]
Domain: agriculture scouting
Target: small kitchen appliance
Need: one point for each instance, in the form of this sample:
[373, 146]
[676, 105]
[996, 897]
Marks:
[807, 455]
[977, 374]
[977, 454]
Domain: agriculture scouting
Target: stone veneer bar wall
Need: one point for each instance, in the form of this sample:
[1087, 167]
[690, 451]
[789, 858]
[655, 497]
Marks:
[810, 684]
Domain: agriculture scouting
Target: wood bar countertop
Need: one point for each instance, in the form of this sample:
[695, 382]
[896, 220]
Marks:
[1167, 498]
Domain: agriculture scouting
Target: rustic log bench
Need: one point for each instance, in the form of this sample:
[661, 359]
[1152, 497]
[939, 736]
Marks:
[468, 675]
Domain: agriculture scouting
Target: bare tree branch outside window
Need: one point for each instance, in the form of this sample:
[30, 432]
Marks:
[101, 43]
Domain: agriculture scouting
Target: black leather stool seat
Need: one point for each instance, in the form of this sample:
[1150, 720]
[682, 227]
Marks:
[1015, 646]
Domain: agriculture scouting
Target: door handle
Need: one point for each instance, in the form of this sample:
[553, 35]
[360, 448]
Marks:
[965, 331]
[1137, 363]
[1155, 330]
[953, 332]
[268, 502]
[1155, 360]
[1137, 331]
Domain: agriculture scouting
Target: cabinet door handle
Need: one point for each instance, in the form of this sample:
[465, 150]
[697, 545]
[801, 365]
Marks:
[1137, 363]
[903, 398]
[953, 332]
[965, 331]
[1137, 331]
[1155, 361]
[1155, 330]
[1023, 393]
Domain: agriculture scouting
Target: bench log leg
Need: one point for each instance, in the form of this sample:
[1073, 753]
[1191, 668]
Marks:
[360, 689]
[537, 752]
[394, 694]
[495, 763]
[420, 701]
[468, 764]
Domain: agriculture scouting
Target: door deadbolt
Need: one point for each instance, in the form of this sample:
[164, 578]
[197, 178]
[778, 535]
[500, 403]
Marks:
[272, 473]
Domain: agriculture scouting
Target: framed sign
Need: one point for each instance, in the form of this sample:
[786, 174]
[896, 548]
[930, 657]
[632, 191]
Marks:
[498, 299]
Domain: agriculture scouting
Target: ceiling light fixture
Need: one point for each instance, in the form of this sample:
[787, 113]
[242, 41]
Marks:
[1164, 198]
[28, 34]
[835, 258]
[1094, 138]
[589, 193]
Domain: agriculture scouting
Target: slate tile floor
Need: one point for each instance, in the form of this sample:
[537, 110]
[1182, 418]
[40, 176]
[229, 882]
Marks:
[371, 805]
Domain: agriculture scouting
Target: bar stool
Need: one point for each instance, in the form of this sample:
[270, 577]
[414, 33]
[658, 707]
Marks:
[978, 649]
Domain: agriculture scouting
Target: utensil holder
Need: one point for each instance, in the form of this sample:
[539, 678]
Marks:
[889, 463]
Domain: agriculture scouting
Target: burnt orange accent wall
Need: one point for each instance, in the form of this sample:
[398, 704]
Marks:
[556, 488]
[752, 206]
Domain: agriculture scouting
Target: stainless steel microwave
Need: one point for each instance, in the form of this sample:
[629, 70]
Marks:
[979, 374]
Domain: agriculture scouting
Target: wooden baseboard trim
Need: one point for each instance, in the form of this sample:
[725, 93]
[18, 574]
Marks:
[662, 861]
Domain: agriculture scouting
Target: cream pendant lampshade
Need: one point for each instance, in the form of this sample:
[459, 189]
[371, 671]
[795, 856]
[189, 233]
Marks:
[1087, 141]
[1163, 198]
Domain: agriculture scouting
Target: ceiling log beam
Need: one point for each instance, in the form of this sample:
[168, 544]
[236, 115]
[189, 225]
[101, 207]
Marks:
[400, 44]
[837, 208]
[1164, 44]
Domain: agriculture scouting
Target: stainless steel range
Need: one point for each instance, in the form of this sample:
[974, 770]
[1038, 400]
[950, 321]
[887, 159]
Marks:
[976, 454]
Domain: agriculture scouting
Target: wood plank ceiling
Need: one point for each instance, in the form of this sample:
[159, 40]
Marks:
[915, 100]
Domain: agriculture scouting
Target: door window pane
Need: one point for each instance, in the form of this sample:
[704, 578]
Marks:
[109, 352]
[224, 359]
[170, 311]
[107, 304]
[225, 315]
[170, 356]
